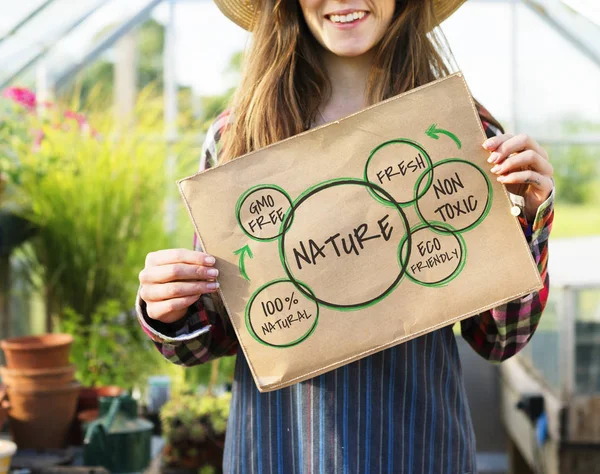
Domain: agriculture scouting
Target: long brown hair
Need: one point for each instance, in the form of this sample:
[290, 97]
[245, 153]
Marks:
[284, 79]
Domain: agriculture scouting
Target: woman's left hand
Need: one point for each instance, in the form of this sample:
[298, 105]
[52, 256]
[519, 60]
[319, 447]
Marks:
[523, 166]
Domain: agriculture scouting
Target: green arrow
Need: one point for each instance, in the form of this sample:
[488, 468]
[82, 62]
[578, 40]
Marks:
[433, 132]
[245, 250]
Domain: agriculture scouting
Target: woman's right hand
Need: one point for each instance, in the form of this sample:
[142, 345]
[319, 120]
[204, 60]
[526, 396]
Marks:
[173, 280]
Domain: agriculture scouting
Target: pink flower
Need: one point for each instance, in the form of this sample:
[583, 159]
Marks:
[79, 118]
[38, 137]
[21, 96]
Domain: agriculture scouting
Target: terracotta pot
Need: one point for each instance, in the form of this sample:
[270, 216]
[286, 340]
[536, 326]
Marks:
[89, 396]
[37, 352]
[41, 419]
[38, 378]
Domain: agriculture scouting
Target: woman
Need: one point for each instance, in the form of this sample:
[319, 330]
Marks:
[403, 409]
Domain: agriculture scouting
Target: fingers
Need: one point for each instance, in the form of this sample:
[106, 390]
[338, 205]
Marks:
[493, 143]
[505, 145]
[171, 310]
[528, 159]
[177, 272]
[174, 279]
[529, 177]
[171, 256]
[176, 290]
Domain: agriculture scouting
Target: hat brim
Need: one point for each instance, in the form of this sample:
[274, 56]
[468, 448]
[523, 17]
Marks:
[243, 12]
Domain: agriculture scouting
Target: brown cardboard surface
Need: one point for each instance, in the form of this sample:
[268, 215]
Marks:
[361, 234]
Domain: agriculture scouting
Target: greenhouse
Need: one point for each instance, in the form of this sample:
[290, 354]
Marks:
[105, 104]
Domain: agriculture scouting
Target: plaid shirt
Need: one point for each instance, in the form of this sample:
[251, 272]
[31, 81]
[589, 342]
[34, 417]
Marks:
[401, 410]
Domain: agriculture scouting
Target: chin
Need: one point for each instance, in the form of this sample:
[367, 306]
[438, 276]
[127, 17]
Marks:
[349, 51]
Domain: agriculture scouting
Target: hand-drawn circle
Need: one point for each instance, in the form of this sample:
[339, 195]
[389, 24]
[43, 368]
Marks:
[286, 224]
[428, 170]
[250, 324]
[489, 197]
[445, 230]
[248, 194]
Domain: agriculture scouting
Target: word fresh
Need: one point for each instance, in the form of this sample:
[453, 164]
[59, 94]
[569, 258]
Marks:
[401, 169]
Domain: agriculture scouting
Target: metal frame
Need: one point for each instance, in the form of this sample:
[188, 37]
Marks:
[26, 19]
[566, 344]
[171, 112]
[564, 31]
[142, 15]
[48, 46]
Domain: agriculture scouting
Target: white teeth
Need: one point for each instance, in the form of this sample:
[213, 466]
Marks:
[350, 17]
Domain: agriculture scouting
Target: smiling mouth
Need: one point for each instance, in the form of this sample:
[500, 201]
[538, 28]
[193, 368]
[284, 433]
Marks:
[347, 17]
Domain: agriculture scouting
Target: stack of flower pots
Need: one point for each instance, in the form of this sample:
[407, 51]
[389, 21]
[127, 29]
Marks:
[42, 390]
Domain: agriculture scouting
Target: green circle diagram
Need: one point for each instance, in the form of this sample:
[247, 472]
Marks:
[287, 225]
[445, 230]
[250, 325]
[428, 170]
[488, 204]
[245, 196]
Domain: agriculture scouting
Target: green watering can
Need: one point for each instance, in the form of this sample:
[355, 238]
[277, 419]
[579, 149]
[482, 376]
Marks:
[118, 440]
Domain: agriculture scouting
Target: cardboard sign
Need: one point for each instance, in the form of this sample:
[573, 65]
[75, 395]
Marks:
[361, 234]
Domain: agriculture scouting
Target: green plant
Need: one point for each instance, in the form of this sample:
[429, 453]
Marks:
[110, 349]
[194, 430]
[16, 114]
[576, 173]
[97, 198]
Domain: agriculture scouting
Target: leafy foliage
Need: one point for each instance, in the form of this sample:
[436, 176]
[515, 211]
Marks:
[97, 198]
[111, 349]
[194, 429]
[576, 173]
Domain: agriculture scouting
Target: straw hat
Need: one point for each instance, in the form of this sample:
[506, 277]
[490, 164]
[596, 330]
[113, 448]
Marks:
[243, 12]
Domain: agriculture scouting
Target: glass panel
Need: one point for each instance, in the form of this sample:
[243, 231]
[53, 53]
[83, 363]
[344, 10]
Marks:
[40, 34]
[527, 74]
[577, 178]
[587, 8]
[18, 11]
[578, 17]
[75, 45]
[557, 94]
[480, 47]
[62, 33]
[587, 342]
[203, 64]
[542, 352]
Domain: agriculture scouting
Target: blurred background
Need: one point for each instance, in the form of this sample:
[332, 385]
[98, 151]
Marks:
[105, 104]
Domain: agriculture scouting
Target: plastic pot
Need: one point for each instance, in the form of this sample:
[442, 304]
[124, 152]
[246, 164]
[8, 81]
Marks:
[37, 352]
[7, 450]
[38, 378]
[41, 419]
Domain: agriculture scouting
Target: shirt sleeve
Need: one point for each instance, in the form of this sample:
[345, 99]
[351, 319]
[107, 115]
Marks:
[501, 332]
[205, 332]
